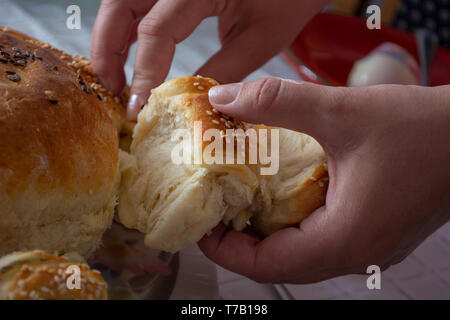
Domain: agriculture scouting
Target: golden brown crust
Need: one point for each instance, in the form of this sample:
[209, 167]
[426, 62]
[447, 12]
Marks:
[54, 134]
[40, 276]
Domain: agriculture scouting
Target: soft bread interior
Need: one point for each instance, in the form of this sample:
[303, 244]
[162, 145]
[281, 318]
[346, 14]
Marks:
[176, 204]
[297, 189]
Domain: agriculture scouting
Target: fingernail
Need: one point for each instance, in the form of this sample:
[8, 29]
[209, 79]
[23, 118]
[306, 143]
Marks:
[225, 94]
[135, 105]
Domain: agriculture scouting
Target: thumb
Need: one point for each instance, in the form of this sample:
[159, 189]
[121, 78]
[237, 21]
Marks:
[299, 106]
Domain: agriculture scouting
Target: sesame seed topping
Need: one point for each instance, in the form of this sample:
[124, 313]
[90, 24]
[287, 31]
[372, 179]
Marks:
[14, 77]
[209, 113]
[196, 83]
[223, 120]
[201, 88]
[45, 289]
[313, 178]
[216, 122]
[20, 62]
[86, 89]
[320, 183]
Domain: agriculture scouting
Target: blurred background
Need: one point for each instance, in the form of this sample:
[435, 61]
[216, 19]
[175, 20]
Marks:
[326, 51]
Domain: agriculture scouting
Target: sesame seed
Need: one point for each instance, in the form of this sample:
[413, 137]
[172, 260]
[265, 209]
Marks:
[10, 72]
[201, 88]
[20, 62]
[15, 49]
[86, 89]
[223, 120]
[209, 113]
[196, 83]
[14, 77]
[320, 183]
[215, 111]
[216, 122]
[313, 178]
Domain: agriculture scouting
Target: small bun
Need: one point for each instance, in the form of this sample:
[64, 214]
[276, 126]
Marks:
[59, 149]
[37, 275]
[176, 204]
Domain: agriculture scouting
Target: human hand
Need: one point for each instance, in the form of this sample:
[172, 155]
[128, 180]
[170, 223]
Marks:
[389, 165]
[251, 32]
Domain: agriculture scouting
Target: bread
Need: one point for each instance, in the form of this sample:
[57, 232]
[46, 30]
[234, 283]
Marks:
[176, 204]
[59, 149]
[298, 188]
[37, 275]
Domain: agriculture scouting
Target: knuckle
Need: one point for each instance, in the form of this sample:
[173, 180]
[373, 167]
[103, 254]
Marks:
[266, 94]
[340, 103]
[150, 26]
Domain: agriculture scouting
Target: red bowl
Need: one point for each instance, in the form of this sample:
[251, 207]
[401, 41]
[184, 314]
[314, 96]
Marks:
[330, 44]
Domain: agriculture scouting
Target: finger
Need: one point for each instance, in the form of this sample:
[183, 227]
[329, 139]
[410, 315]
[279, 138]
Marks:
[242, 55]
[320, 111]
[131, 38]
[168, 23]
[296, 255]
[110, 38]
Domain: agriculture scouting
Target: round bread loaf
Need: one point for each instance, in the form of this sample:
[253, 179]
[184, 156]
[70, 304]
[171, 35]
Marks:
[37, 275]
[58, 147]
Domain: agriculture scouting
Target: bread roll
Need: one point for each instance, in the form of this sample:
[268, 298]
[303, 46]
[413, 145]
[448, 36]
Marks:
[59, 149]
[37, 275]
[176, 204]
